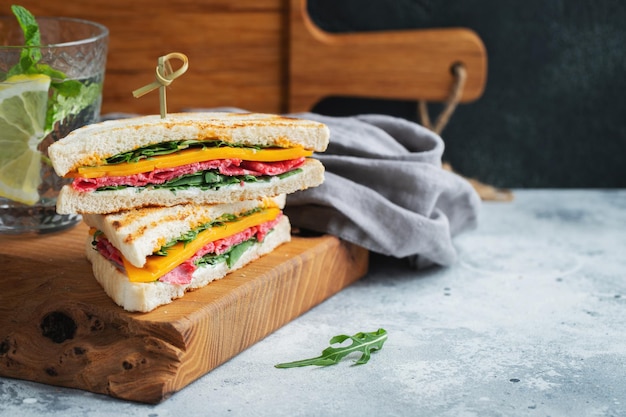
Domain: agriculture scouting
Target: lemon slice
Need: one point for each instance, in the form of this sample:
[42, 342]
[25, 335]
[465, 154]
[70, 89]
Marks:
[23, 104]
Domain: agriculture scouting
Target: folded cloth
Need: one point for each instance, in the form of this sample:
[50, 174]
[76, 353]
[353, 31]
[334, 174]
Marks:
[385, 190]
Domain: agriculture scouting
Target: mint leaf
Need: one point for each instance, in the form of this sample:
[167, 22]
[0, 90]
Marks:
[361, 342]
[68, 97]
[30, 55]
[67, 88]
[50, 72]
[29, 26]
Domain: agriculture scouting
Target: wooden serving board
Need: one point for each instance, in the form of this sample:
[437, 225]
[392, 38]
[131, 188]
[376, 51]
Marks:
[58, 327]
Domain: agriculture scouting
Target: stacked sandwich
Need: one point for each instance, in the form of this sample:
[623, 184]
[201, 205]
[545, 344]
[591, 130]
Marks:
[176, 203]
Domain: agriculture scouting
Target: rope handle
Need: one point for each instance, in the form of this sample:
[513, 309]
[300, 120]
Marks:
[460, 76]
[485, 191]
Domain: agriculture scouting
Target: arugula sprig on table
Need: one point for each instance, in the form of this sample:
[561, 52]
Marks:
[67, 96]
[361, 342]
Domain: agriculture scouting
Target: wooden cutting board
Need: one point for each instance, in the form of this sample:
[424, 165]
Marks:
[58, 327]
[392, 64]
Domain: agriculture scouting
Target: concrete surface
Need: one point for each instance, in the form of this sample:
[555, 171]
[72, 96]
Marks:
[529, 322]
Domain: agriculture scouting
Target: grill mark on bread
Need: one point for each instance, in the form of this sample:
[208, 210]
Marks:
[133, 216]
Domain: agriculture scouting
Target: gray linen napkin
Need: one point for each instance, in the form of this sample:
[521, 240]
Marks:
[385, 190]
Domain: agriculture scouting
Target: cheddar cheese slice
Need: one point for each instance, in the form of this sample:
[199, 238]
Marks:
[190, 156]
[156, 266]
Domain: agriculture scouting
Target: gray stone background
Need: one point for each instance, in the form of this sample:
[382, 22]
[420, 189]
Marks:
[553, 112]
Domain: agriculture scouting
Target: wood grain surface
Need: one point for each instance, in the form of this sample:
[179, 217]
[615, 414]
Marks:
[58, 327]
[266, 56]
[400, 65]
[236, 50]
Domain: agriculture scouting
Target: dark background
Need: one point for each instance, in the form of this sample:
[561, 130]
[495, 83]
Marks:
[553, 112]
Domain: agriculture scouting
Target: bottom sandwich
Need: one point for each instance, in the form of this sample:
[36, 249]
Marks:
[148, 257]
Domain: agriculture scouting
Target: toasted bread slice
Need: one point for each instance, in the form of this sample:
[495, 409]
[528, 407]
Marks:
[92, 144]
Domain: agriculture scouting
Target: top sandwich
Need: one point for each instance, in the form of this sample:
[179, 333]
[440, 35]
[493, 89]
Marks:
[201, 158]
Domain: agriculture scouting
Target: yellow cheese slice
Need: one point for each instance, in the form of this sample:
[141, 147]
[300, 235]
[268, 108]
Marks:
[190, 156]
[156, 266]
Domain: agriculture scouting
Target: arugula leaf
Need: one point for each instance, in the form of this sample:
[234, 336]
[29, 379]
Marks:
[231, 256]
[238, 250]
[204, 180]
[289, 173]
[361, 342]
[166, 148]
[213, 180]
[191, 235]
[96, 235]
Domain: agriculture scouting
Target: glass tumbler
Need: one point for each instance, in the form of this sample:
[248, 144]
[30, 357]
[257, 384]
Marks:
[37, 110]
